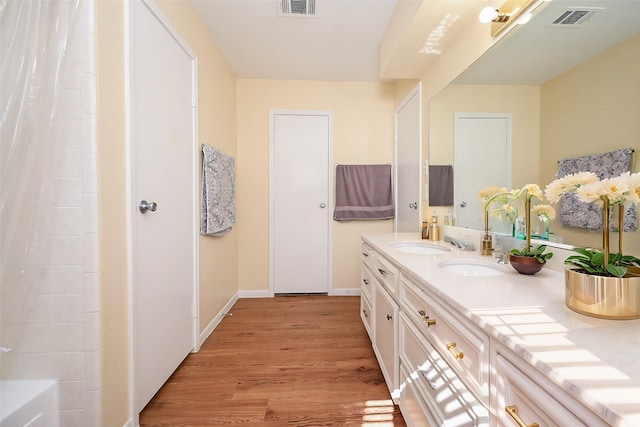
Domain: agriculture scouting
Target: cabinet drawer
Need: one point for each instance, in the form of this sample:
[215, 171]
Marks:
[412, 406]
[533, 404]
[386, 274]
[465, 348]
[366, 314]
[366, 254]
[366, 281]
[413, 302]
[441, 387]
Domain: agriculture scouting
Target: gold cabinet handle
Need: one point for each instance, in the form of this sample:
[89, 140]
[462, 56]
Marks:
[512, 410]
[454, 350]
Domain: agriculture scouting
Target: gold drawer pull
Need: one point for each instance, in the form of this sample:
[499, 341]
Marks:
[453, 349]
[512, 410]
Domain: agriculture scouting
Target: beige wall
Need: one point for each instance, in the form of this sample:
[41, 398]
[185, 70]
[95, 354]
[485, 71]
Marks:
[591, 109]
[217, 126]
[363, 133]
[523, 102]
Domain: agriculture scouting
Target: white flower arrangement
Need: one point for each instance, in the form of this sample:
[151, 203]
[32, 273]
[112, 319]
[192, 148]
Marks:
[605, 193]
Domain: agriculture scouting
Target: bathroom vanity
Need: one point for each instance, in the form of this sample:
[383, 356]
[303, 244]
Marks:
[465, 341]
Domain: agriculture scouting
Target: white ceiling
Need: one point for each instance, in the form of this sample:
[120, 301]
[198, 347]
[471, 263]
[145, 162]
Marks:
[342, 42]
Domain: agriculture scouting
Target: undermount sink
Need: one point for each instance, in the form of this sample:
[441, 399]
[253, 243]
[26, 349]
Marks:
[472, 268]
[419, 248]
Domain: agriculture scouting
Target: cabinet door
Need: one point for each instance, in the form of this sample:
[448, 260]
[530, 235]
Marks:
[386, 337]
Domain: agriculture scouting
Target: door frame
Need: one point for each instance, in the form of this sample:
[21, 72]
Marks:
[130, 105]
[330, 193]
[416, 91]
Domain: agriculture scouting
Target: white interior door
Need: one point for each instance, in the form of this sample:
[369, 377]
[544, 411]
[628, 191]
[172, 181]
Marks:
[162, 149]
[482, 158]
[300, 199]
[408, 125]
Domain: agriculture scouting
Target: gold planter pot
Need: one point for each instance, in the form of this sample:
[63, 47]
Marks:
[615, 298]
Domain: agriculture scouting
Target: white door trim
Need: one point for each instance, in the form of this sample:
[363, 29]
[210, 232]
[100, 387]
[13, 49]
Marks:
[330, 203]
[131, 205]
[416, 91]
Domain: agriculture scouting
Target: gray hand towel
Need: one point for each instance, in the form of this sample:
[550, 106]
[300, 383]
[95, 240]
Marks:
[363, 192]
[440, 185]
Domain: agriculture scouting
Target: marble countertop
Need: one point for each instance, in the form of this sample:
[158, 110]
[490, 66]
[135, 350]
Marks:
[596, 361]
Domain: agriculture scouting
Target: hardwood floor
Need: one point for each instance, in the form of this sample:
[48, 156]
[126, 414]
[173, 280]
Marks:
[284, 361]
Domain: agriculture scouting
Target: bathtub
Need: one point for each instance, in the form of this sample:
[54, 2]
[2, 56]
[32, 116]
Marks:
[29, 403]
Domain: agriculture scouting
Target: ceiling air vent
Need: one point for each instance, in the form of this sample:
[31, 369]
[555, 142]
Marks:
[297, 7]
[574, 17]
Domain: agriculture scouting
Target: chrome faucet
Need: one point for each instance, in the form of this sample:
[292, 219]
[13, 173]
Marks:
[458, 243]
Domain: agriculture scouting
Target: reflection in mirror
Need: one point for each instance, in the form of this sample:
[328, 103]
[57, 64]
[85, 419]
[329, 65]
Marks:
[571, 90]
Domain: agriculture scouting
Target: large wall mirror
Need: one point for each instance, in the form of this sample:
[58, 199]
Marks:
[570, 90]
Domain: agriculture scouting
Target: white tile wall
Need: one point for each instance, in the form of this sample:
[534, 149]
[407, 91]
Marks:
[52, 316]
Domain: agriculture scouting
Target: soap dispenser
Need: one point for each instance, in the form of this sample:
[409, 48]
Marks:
[434, 228]
[425, 230]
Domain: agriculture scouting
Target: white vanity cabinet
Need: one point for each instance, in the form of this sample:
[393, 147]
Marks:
[523, 397]
[498, 351]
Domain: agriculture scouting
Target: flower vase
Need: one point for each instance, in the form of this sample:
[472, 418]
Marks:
[542, 228]
[616, 298]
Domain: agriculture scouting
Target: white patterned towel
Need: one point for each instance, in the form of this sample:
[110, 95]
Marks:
[218, 192]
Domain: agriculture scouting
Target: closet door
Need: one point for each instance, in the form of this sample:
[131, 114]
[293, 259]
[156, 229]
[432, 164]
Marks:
[300, 202]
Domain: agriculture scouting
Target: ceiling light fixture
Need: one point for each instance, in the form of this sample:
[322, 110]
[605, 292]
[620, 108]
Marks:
[489, 14]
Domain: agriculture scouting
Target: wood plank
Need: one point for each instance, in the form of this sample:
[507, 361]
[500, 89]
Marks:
[283, 361]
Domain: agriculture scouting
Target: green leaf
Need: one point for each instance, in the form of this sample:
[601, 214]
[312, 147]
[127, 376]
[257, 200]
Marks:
[584, 251]
[616, 271]
[597, 258]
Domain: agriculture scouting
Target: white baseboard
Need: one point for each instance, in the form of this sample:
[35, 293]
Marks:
[129, 423]
[216, 320]
[346, 291]
[254, 294]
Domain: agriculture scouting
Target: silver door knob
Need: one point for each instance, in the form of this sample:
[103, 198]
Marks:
[463, 204]
[322, 205]
[413, 205]
[145, 206]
